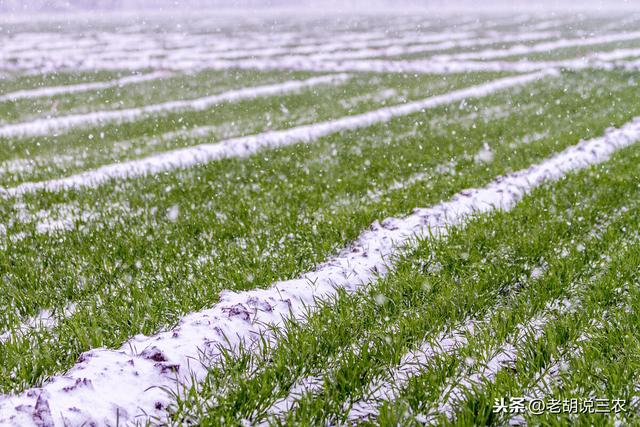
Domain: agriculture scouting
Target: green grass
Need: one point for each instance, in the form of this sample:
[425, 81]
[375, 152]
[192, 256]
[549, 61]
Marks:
[17, 82]
[246, 223]
[576, 52]
[177, 86]
[483, 273]
[86, 148]
[136, 255]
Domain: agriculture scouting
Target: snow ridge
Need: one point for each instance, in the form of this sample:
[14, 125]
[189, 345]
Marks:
[83, 87]
[423, 66]
[540, 47]
[57, 124]
[246, 146]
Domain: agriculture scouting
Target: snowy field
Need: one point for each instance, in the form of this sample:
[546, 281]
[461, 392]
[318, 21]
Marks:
[297, 220]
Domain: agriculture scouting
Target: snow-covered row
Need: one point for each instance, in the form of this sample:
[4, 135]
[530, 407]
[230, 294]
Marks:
[147, 53]
[539, 48]
[344, 47]
[410, 365]
[401, 49]
[506, 354]
[416, 361]
[552, 23]
[143, 51]
[248, 145]
[550, 377]
[313, 385]
[337, 60]
[50, 44]
[422, 66]
[43, 44]
[378, 390]
[83, 87]
[46, 126]
[130, 383]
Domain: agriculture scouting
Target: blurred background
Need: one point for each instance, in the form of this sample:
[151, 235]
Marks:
[17, 6]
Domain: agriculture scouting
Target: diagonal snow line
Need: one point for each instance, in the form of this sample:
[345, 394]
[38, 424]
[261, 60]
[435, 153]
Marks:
[497, 359]
[83, 87]
[132, 381]
[245, 146]
[394, 48]
[415, 362]
[506, 354]
[437, 41]
[501, 357]
[147, 55]
[188, 60]
[423, 66]
[410, 365]
[379, 389]
[550, 377]
[56, 124]
[313, 384]
[72, 55]
[540, 47]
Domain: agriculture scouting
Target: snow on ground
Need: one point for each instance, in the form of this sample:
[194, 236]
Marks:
[57, 124]
[410, 365]
[598, 60]
[129, 381]
[539, 48]
[47, 319]
[244, 146]
[83, 87]
[189, 50]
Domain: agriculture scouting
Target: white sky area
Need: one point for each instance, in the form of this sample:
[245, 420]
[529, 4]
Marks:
[30, 6]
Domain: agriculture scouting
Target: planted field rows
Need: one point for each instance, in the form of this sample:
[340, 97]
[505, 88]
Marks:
[371, 220]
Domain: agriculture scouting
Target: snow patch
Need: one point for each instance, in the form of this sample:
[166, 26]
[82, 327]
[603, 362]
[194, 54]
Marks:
[46, 319]
[485, 155]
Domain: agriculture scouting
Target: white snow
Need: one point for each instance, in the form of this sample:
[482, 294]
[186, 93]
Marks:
[416, 361]
[129, 381]
[397, 49]
[346, 62]
[596, 60]
[56, 124]
[540, 47]
[308, 385]
[109, 50]
[411, 364]
[83, 87]
[485, 155]
[245, 146]
[106, 50]
[47, 319]
[173, 213]
[498, 358]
